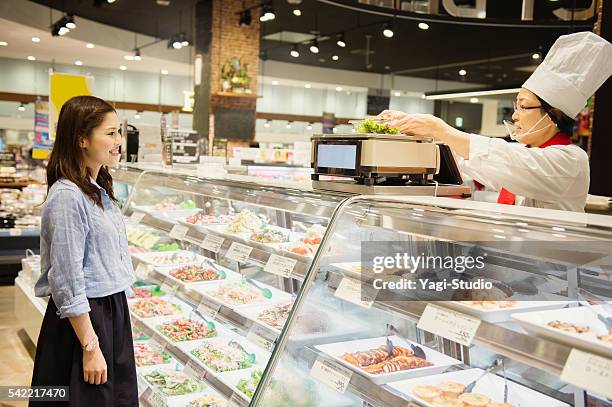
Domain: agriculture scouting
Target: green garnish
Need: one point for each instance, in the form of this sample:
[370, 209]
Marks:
[372, 126]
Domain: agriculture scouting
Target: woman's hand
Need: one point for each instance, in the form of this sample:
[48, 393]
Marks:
[94, 366]
[421, 125]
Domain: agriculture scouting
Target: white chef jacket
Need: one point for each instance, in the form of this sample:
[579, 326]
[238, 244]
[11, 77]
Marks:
[555, 177]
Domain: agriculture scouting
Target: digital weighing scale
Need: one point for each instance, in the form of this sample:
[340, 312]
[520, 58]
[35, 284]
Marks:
[385, 164]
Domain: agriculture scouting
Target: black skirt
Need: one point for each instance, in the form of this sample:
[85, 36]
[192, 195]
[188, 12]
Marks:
[59, 357]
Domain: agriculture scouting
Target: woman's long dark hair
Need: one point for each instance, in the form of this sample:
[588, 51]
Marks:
[77, 119]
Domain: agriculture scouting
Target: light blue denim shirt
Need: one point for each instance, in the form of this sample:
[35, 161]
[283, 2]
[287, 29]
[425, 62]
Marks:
[84, 249]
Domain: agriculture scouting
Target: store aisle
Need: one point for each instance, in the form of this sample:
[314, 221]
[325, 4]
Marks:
[16, 363]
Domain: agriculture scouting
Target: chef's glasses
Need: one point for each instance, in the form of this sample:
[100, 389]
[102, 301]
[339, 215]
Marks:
[521, 109]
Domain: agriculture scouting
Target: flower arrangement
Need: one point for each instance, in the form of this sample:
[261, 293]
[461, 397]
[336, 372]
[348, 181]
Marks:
[235, 77]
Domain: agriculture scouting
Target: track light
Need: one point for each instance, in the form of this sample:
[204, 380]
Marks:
[314, 47]
[340, 41]
[309, 126]
[297, 12]
[184, 42]
[288, 125]
[462, 72]
[388, 30]
[335, 57]
[295, 53]
[63, 25]
[536, 56]
[137, 56]
[21, 107]
[267, 124]
[70, 24]
[245, 18]
[423, 26]
[267, 12]
[178, 41]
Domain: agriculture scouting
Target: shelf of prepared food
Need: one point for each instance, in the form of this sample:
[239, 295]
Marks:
[530, 347]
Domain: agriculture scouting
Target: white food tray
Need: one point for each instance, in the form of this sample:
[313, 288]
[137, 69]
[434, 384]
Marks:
[231, 379]
[153, 323]
[199, 227]
[440, 361]
[537, 323]
[504, 314]
[490, 385]
[165, 213]
[154, 344]
[230, 275]
[183, 401]
[150, 258]
[278, 296]
[185, 308]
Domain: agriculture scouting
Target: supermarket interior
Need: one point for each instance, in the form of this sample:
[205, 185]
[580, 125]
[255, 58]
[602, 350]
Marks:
[292, 203]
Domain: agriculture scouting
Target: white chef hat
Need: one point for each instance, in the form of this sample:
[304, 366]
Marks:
[574, 68]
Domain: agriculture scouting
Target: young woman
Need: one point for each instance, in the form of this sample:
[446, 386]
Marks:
[553, 173]
[85, 339]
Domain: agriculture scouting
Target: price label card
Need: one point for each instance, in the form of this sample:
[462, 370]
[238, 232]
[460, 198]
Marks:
[329, 373]
[588, 371]
[178, 232]
[142, 271]
[137, 216]
[262, 337]
[157, 399]
[449, 324]
[15, 232]
[352, 290]
[239, 252]
[237, 401]
[212, 243]
[208, 308]
[194, 370]
[280, 265]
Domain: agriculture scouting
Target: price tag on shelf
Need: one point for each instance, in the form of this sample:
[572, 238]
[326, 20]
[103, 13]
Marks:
[239, 252]
[137, 216]
[15, 232]
[280, 265]
[178, 232]
[194, 370]
[157, 399]
[212, 243]
[588, 371]
[449, 324]
[208, 308]
[237, 401]
[262, 337]
[351, 290]
[142, 271]
[329, 373]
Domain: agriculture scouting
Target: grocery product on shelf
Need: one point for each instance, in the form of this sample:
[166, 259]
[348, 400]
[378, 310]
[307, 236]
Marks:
[270, 235]
[202, 218]
[208, 401]
[245, 222]
[275, 316]
[568, 327]
[146, 354]
[313, 236]
[148, 291]
[138, 335]
[238, 293]
[173, 383]
[248, 386]
[171, 206]
[155, 307]
[223, 358]
[381, 360]
[182, 329]
[194, 273]
[491, 304]
[606, 337]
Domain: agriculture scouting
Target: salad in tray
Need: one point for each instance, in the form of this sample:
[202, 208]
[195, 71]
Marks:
[224, 358]
[248, 386]
[173, 383]
[245, 222]
[238, 293]
[155, 307]
[208, 401]
[182, 329]
[149, 355]
[195, 273]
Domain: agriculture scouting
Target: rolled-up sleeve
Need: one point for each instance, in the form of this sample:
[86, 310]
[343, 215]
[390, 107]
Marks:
[67, 233]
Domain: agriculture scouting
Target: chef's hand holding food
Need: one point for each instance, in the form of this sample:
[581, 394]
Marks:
[544, 169]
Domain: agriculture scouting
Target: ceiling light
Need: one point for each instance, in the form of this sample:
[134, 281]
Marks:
[31, 58]
[267, 124]
[183, 39]
[137, 116]
[338, 88]
[288, 125]
[536, 56]
[177, 45]
[21, 107]
[473, 100]
[245, 18]
[163, 2]
[467, 94]
[396, 93]
[297, 12]
[137, 56]
[70, 22]
[462, 72]
[35, 39]
[128, 57]
[387, 30]
[164, 72]
[3, 43]
[123, 67]
[307, 86]
[274, 83]
[314, 47]
[335, 130]
[423, 26]
[110, 1]
[335, 57]
[89, 45]
[63, 31]
[340, 41]
[267, 13]
[294, 51]
[78, 63]
[309, 126]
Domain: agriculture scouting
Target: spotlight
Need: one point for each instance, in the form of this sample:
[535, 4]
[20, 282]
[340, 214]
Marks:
[184, 42]
[35, 39]
[267, 12]
[462, 72]
[474, 100]
[78, 63]
[388, 30]
[164, 72]
[267, 124]
[423, 26]
[31, 58]
[340, 41]
[288, 125]
[21, 107]
[297, 12]
[309, 126]
[70, 22]
[123, 67]
[338, 88]
[63, 31]
[177, 45]
[307, 85]
[536, 56]
[335, 57]
[137, 56]
[89, 45]
[245, 18]
[294, 51]
[397, 94]
[3, 43]
[314, 47]
[274, 83]
[110, 1]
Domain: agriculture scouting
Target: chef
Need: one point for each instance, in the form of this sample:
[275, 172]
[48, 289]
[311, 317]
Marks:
[552, 173]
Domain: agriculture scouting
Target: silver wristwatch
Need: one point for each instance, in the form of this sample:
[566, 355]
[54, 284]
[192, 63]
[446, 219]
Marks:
[91, 345]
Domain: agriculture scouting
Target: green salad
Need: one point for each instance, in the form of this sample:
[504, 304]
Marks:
[372, 126]
[173, 383]
[248, 386]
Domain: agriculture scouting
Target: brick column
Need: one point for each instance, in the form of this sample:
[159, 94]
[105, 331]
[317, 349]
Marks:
[221, 37]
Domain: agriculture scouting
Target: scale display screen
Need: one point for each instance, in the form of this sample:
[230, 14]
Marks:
[337, 156]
